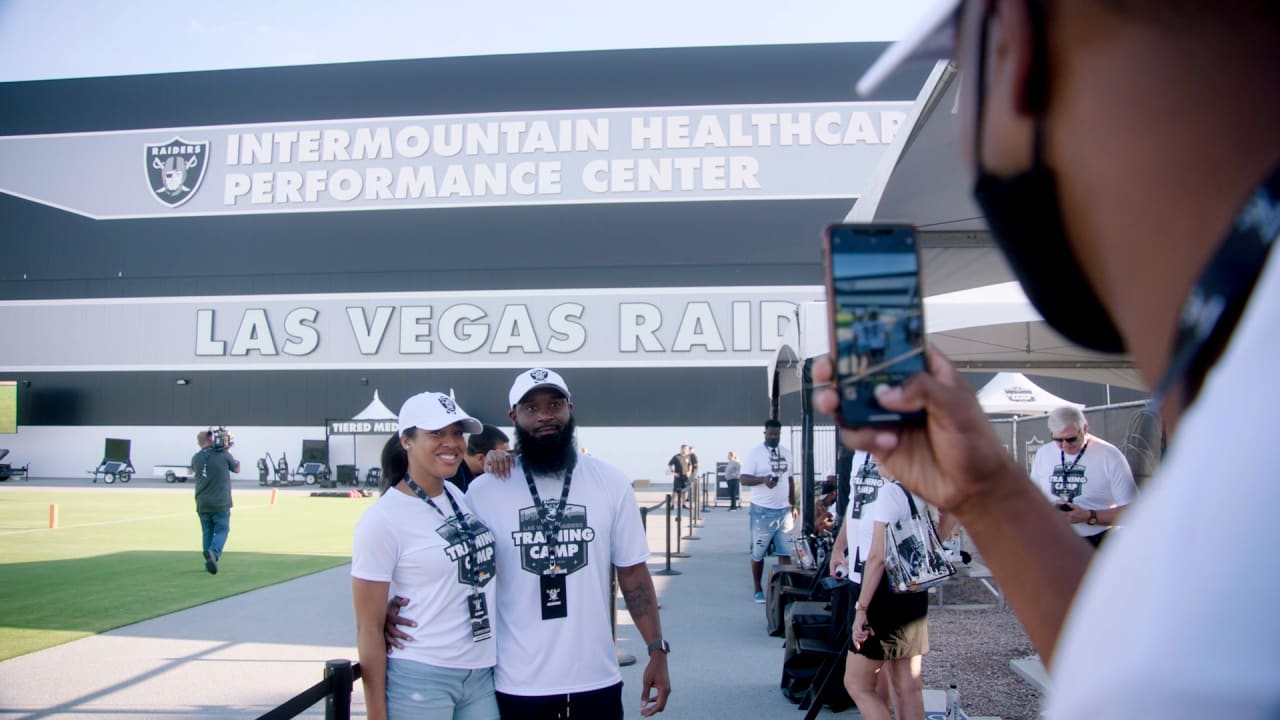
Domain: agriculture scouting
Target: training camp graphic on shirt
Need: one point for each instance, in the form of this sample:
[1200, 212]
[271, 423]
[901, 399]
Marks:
[477, 568]
[1067, 481]
[866, 486]
[571, 543]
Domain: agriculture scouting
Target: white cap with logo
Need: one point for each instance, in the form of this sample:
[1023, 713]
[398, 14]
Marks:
[931, 37]
[530, 380]
[432, 411]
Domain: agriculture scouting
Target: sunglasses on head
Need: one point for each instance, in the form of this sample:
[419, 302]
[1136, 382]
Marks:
[1067, 440]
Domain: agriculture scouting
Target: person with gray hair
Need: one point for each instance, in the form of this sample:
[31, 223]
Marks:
[1090, 494]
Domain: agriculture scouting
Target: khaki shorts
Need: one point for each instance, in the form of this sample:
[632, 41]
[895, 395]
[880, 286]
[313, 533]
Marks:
[906, 641]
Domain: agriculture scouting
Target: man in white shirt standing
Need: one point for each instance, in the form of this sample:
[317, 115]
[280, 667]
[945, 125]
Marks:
[1082, 119]
[765, 469]
[1084, 476]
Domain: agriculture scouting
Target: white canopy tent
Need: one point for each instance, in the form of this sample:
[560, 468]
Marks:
[369, 430]
[1010, 393]
[989, 328]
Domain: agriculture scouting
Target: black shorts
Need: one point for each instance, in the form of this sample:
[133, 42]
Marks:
[605, 704]
[898, 623]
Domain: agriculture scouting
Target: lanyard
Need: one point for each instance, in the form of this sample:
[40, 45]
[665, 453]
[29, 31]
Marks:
[550, 524]
[468, 537]
[1218, 298]
[1062, 460]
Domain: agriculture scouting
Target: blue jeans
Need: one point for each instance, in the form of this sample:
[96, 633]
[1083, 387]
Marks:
[419, 691]
[215, 526]
[770, 524]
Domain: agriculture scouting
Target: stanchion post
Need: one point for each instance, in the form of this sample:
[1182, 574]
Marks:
[668, 570]
[679, 501]
[337, 704]
[693, 510]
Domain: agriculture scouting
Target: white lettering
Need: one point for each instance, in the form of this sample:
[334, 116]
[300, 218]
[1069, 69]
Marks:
[205, 344]
[567, 335]
[638, 325]
[515, 329]
[460, 337]
[415, 330]
[698, 327]
[369, 334]
[254, 334]
[303, 338]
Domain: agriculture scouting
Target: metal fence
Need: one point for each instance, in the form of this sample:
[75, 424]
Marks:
[1130, 426]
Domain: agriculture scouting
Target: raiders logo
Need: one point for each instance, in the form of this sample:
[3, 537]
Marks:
[449, 405]
[176, 169]
[538, 375]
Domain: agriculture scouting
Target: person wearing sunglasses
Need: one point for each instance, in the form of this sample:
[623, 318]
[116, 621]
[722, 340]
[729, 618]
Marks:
[1126, 156]
[1084, 476]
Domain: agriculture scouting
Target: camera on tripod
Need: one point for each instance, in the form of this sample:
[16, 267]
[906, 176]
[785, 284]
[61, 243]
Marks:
[221, 438]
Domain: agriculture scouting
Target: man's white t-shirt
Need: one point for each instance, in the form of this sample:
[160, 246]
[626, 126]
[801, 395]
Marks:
[1176, 618]
[403, 541]
[602, 528]
[1096, 478]
[761, 461]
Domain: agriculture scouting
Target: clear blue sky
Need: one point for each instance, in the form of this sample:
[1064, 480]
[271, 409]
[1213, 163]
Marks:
[43, 39]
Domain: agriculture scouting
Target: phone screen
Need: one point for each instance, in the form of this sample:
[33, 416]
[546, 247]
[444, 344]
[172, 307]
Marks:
[877, 317]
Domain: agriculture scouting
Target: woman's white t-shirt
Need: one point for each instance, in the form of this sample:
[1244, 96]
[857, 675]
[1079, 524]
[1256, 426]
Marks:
[404, 541]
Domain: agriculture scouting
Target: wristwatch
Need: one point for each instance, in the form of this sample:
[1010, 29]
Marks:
[659, 644]
[1093, 517]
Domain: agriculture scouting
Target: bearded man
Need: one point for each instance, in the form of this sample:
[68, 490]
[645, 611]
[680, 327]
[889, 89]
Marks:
[562, 520]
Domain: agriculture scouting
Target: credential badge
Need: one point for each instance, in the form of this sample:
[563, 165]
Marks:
[175, 169]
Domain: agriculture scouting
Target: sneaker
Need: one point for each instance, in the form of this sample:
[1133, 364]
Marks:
[759, 598]
[210, 562]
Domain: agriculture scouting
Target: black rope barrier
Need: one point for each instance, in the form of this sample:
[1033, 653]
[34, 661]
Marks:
[334, 689]
[644, 512]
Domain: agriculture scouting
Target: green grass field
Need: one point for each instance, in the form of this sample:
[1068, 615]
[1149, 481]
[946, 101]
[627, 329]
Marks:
[121, 557]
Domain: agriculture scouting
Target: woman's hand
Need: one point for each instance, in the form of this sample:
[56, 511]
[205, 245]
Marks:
[861, 629]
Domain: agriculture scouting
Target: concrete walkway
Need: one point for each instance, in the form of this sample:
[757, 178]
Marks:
[242, 656]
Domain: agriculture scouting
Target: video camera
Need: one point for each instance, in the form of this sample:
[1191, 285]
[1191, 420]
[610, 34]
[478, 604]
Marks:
[221, 438]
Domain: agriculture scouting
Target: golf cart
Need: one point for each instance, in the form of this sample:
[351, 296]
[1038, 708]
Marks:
[9, 471]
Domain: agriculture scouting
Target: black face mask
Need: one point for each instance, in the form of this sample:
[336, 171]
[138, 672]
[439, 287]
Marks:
[1026, 220]
[771, 442]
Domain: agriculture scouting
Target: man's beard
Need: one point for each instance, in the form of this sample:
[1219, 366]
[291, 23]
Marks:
[548, 454]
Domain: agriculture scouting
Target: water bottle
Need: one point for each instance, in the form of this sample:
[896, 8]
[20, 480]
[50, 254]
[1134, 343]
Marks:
[953, 703]
[842, 571]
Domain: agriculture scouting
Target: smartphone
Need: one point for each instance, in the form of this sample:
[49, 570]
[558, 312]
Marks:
[876, 317]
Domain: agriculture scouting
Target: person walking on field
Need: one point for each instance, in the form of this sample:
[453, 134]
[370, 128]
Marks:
[211, 467]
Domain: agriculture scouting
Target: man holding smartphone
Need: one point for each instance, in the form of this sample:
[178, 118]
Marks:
[1084, 476]
[766, 470]
[1126, 156]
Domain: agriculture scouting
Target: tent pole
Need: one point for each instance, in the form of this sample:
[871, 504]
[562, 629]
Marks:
[806, 439]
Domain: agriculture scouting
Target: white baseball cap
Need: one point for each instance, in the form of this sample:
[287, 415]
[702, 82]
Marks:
[432, 411]
[931, 37]
[530, 380]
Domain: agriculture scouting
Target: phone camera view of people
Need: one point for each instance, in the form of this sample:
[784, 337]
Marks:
[877, 317]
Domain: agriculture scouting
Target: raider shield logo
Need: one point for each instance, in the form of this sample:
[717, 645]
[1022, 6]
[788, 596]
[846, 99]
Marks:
[176, 169]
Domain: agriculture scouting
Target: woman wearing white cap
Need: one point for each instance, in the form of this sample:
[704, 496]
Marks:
[421, 540]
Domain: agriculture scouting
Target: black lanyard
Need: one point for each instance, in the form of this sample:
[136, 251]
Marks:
[468, 537]
[550, 524]
[1218, 299]
[1062, 459]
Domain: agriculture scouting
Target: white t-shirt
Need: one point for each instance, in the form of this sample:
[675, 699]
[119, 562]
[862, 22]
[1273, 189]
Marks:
[1095, 479]
[889, 506]
[760, 461]
[864, 485]
[1195, 564]
[602, 528]
[401, 540]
